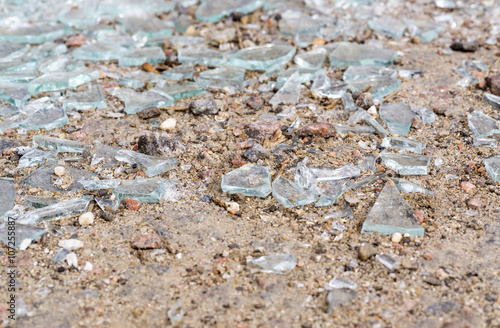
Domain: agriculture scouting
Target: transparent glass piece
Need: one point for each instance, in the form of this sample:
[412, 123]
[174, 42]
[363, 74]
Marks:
[331, 191]
[410, 73]
[35, 202]
[201, 56]
[371, 121]
[227, 73]
[59, 145]
[16, 94]
[138, 101]
[492, 100]
[304, 178]
[91, 97]
[8, 111]
[47, 118]
[408, 187]
[151, 165]
[425, 30]
[482, 125]
[99, 51]
[137, 79]
[357, 116]
[33, 33]
[143, 190]
[263, 57]
[345, 212]
[272, 71]
[18, 76]
[23, 232]
[424, 114]
[348, 102]
[107, 205]
[62, 80]
[176, 40]
[488, 142]
[214, 11]
[278, 264]
[16, 65]
[339, 282]
[343, 129]
[311, 59]
[368, 163]
[35, 157]
[137, 57]
[330, 174]
[44, 178]
[406, 164]
[323, 87]
[7, 196]
[293, 23]
[12, 50]
[114, 36]
[100, 184]
[388, 261]
[182, 72]
[105, 156]
[405, 144]
[58, 64]
[183, 90]
[305, 74]
[381, 86]
[388, 25]
[397, 117]
[113, 8]
[390, 214]
[46, 50]
[249, 180]
[149, 25]
[476, 65]
[445, 4]
[11, 122]
[290, 195]
[60, 255]
[65, 209]
[289, 93]
[339, 297]
[492, 166]
[82, 13]
[347, 54]
[182, 23]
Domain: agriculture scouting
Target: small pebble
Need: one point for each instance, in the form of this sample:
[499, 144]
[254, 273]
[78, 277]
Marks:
[71, 244]
[366, 251]
[86, 218]
[72, 260]
[88, 266]
[148, 241]
[373, 111]
[59, 171]
[396, 237]
[474, 202]
[467, 186]
[168, 124]
[132, 204]
[25, 244]
[232, 207]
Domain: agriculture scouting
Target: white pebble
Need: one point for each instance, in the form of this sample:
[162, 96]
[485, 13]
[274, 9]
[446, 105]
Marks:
[72, 260]
[88, 266]
[232, 207]
[168, 124]
[86, 218]
[396, 237]
[24, 244]
[373, 111]
[71, 244]
[59, 171]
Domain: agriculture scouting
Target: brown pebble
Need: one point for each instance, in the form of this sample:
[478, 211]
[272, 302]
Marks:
[474, 202]
[148, 241]
[366, 251]
[493, 82]
[428, 256]
[431, 280]
[149, 68]
[255, 102]
[149, 113]
[262, 129]
[419, 215]
[324, 130]
[467, 186]
[364, 100]
[465, 46]
[76, 40]
[133, 204]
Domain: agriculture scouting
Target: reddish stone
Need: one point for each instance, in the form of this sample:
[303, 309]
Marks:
[255, 102]
[420, 216]
[428, 256]
[467, 186]
[133, 204]
[245, 144]
[324, 130]
[474, 202]
[262, 129]
[148, 241]
[76, 40]
[493, 82]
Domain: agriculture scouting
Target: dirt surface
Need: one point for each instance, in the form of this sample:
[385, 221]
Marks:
[448, 278]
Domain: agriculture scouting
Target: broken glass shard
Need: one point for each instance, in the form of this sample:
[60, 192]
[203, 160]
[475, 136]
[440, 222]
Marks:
[114, 36]
[100, 184]
[339, 282]
[138, 101]
[59, 63]
[368, 163]
[339, 297]
[7, 196]
[11, 122]
[278, 264]
[367, 72]
[397, 116]
[406, 186]
[345, 212]
[143, 190]
[182, 23]
[62, 80]
[211, 12]
[347, 54]
[227, 73]
[390, 214]
[492, 166]
[60, 255]
[151, 165]
[59, 145]
[99, 51]
[424, 114]
[48, 49]
[132, 6]
[410, 73]
[176, 40]
[17, 65]
[35, 202]
[107, 205]
[65, 209]
[293, 23]
[306, 74]
[16, 94]
[331, 191]
[18, 76]
[289, 93]
[81, 15]
[137, 57]
[137, 79]
[406, 164]
[482, 125]
[343, 129]
[12, 50]
[380, 86]
[201, 56]
[33, 33]
[182, 72]
[371, 121]
[290, 195]
[47, 118]
[388, 25]
[249, 180]
[263, 57]
[445, 4]
[330, 174]
[311, 59]
[44, 178]
[323, 86]
[105, 155]
[182, 90]
[348, 103]
[492, 100]
[148, 25]
[388, 261]
[404, 144]
[425, 30]
[488, 142]
[23, 232]
[8, 143]
[8, 110]
[35, 157]
[91, 97]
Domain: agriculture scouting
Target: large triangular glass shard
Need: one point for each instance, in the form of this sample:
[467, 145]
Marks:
[289, 93]
[390, 214]
[138, 101]
[137, 79]
[59, 145]
[311, 59]
[290, 195]
[347, 54]
[44, 178]
[263, 57]
[404, 144]
[211, 12]
[293, 23]
[151, 165]
[91, 97]
[99, 51]
[482, 125]
[66, 209]
[47, 118]
[144, 190]
[249, 180]
[201, 56]
[35, 202]
[183, 90]
[33, 33]
[388, 25]
[492, 100]
[22, 232]
[397, 116]
[137, 57]
[407, 186]
[492, 166]
[406, 164]
[7, 196]
[62, 80]
[182, 72]
[35, 157]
